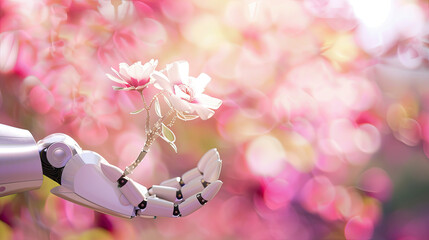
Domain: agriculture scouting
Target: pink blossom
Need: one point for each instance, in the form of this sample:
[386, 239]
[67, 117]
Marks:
[9, 47]
[186, 92]
[134, 77]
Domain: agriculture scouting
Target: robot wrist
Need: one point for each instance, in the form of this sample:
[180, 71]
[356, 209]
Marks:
[55, 151]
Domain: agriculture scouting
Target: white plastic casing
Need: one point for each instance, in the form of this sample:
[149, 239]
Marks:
[83, 176]
[20, 165]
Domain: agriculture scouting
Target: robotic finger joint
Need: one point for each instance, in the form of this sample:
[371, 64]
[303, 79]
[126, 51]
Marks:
[201, 199]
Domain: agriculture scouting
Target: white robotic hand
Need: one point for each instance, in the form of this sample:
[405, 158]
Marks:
[88, 179]
[175, 197]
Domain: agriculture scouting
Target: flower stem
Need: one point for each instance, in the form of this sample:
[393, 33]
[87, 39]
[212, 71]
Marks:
[147, 108]
[151, 135]
[151, 138]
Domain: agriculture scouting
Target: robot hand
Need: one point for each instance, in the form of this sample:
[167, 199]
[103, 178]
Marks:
[88, 179]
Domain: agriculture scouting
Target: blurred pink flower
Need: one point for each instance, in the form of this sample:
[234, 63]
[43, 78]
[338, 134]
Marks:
[9, 48]
[187, 92]
[134, 77]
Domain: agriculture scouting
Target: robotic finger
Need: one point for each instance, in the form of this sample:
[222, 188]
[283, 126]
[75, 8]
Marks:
[154, 206]
[207, 160]
[170, 201]
[197, 184]
[193, 181]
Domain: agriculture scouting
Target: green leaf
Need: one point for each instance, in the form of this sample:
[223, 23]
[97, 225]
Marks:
[167, 134]
[157, 108]
[138, 111]
[122, 88]
[185, 117]
[173, 146]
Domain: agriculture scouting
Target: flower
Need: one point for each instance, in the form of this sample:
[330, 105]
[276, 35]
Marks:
[186, 92]
[134, 77]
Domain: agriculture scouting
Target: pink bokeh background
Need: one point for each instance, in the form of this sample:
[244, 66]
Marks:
[323, 131]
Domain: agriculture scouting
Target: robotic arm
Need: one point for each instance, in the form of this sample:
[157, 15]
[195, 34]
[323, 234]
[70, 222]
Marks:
[88, 179]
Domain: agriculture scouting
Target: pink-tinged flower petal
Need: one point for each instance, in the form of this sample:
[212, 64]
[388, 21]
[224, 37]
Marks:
[136, 76]
[202, 111]
[178, 72]
[149, 67]
[186, 93]
[209, 102]
[115, 79]
[162, 82]
[123, 70]
[116, 72]
[199, 84]
[181, 94]
[135, 70]
[142, 72]
[142, 83]
[179, 104]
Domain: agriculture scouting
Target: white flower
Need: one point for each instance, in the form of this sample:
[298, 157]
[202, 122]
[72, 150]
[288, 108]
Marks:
[134, 77]
[186, 93]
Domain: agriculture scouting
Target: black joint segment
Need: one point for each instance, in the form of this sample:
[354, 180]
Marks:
[49, 170]
[122, 181]
[201, 199]
[205, 184]
[181, 182]
[179, 195]
[176, 211]
[200, 172]
[143, 204]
